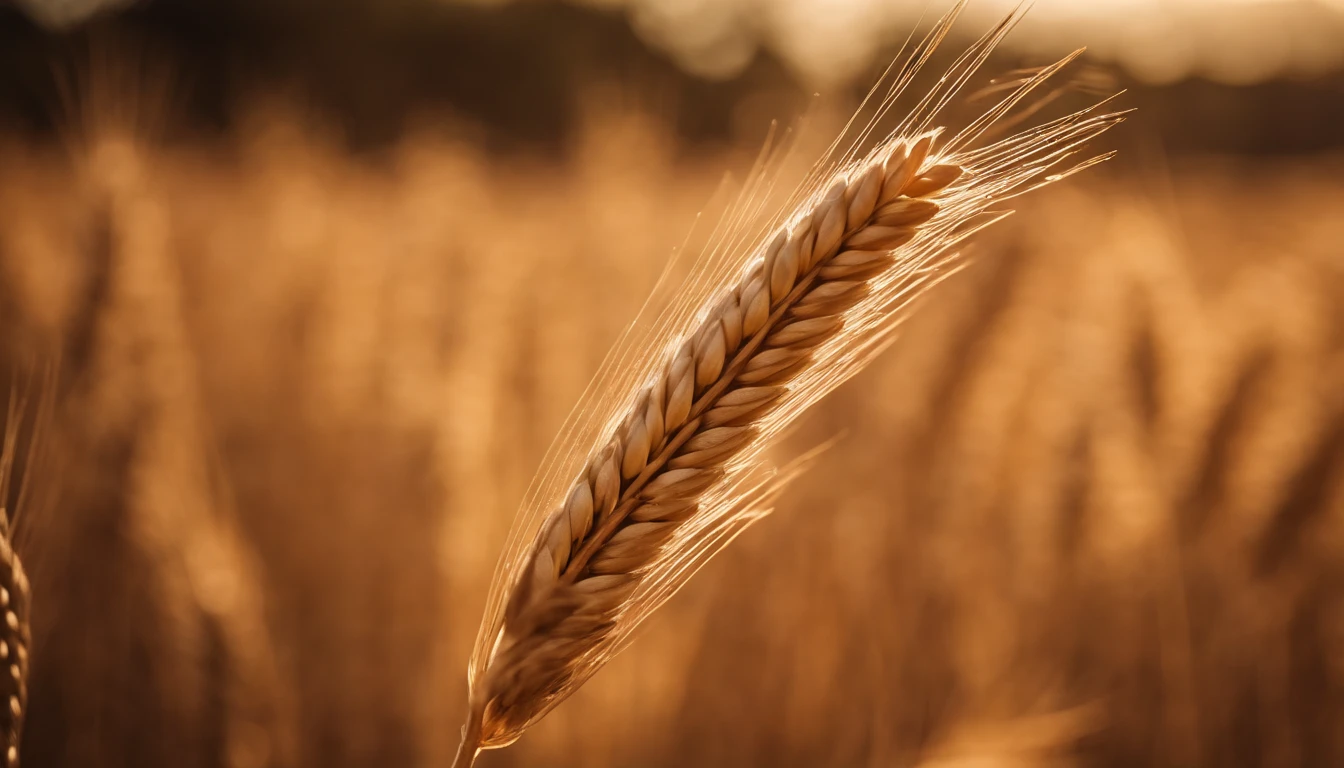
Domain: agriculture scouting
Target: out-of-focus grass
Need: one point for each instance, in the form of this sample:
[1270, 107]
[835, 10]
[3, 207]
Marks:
[1087, 511]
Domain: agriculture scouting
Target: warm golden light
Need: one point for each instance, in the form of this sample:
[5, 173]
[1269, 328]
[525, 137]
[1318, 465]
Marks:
[294, 295]
[1235, 41]
[830, 41]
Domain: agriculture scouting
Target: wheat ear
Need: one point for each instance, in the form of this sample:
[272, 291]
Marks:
[676, 474]
[16, 635]
[15, 639]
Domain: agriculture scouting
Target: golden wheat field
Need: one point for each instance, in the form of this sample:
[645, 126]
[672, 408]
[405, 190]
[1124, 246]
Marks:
[284, 396]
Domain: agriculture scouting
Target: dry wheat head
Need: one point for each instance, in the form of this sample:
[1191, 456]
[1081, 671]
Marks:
[677, 470]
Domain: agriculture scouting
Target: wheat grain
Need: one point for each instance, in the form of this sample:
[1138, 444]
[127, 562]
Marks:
[677, 475]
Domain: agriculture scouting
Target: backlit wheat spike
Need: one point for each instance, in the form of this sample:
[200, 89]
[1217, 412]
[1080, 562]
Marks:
[677, 473]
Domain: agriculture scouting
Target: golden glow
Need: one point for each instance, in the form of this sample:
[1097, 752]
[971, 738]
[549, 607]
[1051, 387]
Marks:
[831, 41]
[825, 41]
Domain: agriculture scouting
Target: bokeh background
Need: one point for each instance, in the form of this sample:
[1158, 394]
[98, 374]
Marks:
[324, 278]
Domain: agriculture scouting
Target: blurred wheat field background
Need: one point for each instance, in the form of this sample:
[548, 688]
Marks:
[1085, 511]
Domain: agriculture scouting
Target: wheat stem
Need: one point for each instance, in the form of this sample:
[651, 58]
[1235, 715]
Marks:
[469, 748]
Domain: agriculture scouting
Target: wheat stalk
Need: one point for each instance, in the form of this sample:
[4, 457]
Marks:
[677, 472]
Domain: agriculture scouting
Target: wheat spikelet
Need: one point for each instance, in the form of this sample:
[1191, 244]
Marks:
[678, 471]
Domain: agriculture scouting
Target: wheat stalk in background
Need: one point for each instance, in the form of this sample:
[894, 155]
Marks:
[679, 471]
[137, 390]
